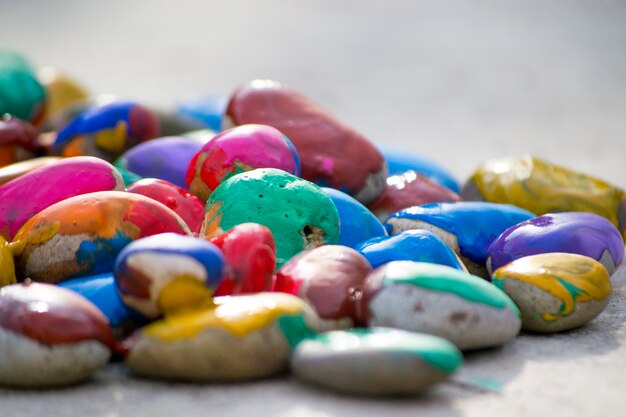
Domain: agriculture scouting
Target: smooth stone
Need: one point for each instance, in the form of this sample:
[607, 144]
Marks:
[250, 253]
[240, 149]
[299, 214]
[107, 131]
[375, 361]
[240, 338]
[21, 94]
[189, 207]
[18, 140]
[400, 161]
[542, 187]
[407, 190]
[329, 278]
[16, 170]
[101, 291]
[62, 91]
[165, 158]
[442, 301]
[331, 153]
[82, 235]
[575, 232]
[555, 291]
[7, 264]
[31, 193]
[50, 336]
[412, 245]
[356, 223]
[208, 110]
[466, 227]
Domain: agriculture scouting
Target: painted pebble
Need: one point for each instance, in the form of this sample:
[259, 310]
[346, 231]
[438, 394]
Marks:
[208, 109]
[555, 291]
[62, 92]
[18, 140]
[541, 187]
[31, 193]
[16, 170]
[322, 141]
[101, 291]
[7, 264]
[299, 214]
[466, 227]
[21, 94]
[163, 158]
[356, 223]
[82, 235]
[407, 190]
[50, 336]
[167, 272]
[243, 337]
[250, 254]
[435, 299]
[329, 278]
[574, 232]
[240, 149]
[189, 207]
[375, 361]
[107, 131]
[412, 245]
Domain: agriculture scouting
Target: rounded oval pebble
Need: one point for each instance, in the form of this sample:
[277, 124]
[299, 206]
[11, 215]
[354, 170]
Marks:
[575, 232]
[164, 158]
[21, 94]
[356, 223]
[467, 227]
[250, 254]
[412, 245]
[331, 153]
[555, 291]
[299, 214]
[329, 278]
[31, 193]
[189, 207]
[167, 272]
[240, 149]
[62, 91]
[240, 338]
[439, 300]
[541, 187]
[375, 361]
[50, 336]
[107, 131]
[407, 190]
[207, 109]
[16, 170]
[18, 140]
[82, 235]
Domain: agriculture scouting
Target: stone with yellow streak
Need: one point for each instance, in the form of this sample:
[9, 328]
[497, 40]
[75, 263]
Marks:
[555, 291]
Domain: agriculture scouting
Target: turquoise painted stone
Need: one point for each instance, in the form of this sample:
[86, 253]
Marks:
[412, 245]
[439, 300]
[375, 361]
[21, 94]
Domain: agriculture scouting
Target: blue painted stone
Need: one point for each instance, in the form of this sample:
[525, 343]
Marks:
[412, 245]
[208, 110]
[400, 161]
[145, 268]
[474, 225]
[100, 290]
[163, 158]
[357, 223]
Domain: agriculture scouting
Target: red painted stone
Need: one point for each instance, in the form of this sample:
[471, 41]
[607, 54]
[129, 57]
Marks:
[18, 140]
[250, 254]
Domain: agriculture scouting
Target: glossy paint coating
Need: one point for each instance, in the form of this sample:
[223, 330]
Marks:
[322, 141]
[240, 149]
[21, 94]
[412, 245]
[575, 232]
[474, 224]
[357, 224]
[299, 214]
[250, 253]
[31, 193]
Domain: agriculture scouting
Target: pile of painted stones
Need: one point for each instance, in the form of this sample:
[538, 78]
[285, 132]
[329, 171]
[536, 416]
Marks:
[237, 238]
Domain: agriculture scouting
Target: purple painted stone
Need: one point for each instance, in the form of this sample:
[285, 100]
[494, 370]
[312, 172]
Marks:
[574, 232]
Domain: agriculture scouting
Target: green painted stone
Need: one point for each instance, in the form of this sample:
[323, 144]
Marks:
[376, 360]
[20, 93]
[299, 214]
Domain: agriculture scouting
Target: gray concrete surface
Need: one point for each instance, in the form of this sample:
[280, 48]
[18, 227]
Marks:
[459, 82]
